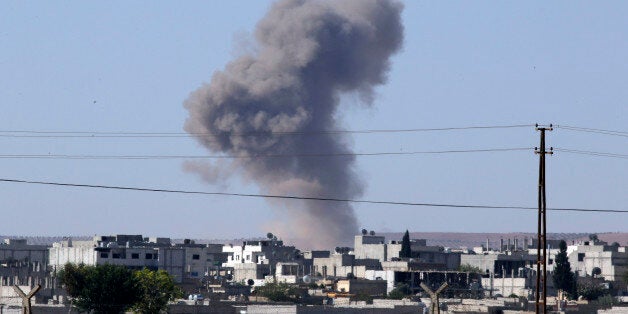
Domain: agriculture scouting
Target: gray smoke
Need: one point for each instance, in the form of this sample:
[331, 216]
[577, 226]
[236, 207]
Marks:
[308, 53]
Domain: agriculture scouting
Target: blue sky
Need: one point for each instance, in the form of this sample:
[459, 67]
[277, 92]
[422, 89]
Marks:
[128, 66]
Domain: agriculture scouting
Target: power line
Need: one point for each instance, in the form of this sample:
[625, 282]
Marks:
[592, 130]
[96, 134]
[591, 153]
[143, 157]
[110, 187]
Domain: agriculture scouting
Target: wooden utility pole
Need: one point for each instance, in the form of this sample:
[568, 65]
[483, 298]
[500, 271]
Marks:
[541, 257]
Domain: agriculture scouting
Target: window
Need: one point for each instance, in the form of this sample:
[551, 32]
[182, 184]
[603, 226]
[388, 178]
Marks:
[135, 255]
[196, 256]
[194, 274]
[149, 256]
[550, 261]
[248, 257]
[116, 255]
[580, 257]
[104, 255]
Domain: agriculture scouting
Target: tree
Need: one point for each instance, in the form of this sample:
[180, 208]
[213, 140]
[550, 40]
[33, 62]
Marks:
[156, 288]
[593, 237]
[101, 289]
[468, 268]
[564, 278]
[405, 246]
[590, 290]
[364, 232]
[399, 292]
[270, 236]
[277, 291]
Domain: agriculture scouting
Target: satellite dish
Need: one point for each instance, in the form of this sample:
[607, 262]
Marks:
[307, 279]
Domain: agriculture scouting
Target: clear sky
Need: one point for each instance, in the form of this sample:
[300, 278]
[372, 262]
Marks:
[118, 66]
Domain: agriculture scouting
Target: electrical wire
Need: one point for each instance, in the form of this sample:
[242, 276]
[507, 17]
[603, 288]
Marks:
[89, 134]
[288, 197]
[592, 130]
[591, 153]
[143, 157]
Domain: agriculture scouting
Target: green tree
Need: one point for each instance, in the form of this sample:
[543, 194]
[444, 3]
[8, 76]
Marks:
[467, 268]
[277, 291]
[591, 290]
[564, 278]
[100, 289]
[400, 292]
[156, 288]
[406, 251]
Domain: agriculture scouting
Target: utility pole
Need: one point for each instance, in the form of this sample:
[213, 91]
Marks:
[541, 257]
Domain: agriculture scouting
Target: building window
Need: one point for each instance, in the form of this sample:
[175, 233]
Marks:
[135, 255]
[149, 256]
[580, 257]
[550, 261]
[194, 274]
[248, 257]
[104, 255]
[196, 256]
[115, 255]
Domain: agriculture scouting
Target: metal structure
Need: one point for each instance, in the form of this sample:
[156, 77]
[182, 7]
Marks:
[26, 298]
[434, 296]
[541, 249]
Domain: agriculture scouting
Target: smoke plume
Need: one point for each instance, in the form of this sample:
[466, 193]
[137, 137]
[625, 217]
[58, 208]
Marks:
[278, 100]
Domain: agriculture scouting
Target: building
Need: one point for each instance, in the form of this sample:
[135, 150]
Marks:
[598, 259]
[131, 251]
[257, 259]
[17, 258]
[202, 259]
[362, 286]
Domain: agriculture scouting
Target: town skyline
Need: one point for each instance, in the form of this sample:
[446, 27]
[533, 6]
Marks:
[94, 68]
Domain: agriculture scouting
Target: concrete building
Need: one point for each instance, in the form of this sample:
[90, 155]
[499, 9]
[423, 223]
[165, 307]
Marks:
[17, 258]
[201, 259]
[258, 259]
[131, 251]
[374, 247]
[501, 264]
[259, 252]
[371, 247]
[362, 286]
[286, 272]
[597, 258]
[341, 265]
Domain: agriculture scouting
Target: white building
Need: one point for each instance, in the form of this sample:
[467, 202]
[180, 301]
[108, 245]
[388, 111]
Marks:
[258, 259]
[591, 258]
